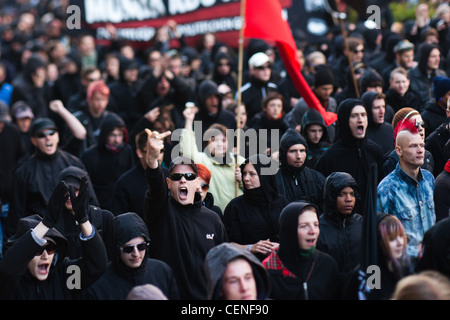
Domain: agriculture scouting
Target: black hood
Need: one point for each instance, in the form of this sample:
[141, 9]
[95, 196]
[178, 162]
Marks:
[289, 250]
[205, 89]
[216, 262]
[290, 137]
[343, 131]
[334, 183]
[312, 116]
[268, 188]
[72, 176]
[111, 122]
[126, 226]
[28, 223]
[367, 98]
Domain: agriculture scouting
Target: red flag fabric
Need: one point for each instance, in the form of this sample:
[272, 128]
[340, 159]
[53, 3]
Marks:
[263, 20]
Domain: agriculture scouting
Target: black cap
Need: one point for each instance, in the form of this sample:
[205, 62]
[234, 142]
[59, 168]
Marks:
[182, 160]
[40, 124]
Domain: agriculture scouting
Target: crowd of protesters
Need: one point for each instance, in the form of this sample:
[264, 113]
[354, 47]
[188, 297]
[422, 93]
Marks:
[119, 160]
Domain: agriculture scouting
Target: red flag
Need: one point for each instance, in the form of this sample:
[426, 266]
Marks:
[263, 20]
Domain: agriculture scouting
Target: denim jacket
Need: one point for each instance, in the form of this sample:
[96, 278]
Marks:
[411, 201]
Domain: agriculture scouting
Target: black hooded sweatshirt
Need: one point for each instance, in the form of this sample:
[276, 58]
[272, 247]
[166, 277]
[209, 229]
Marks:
[254, 215]
[119, 279]
[349, 154]
[224, 117]
[17, 283]
[381, 134]
[34, 182]
[301, 183]
[105, 164]
[101, 219]
[340, 235]
[181, 235]
[311, 276]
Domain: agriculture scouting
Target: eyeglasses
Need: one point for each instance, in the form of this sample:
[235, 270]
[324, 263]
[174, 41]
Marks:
[262, 67]
[421, 123]
[204, 186]
[358, 51]
[177, 176]
[43, 134]
[50, 248]
[130, 248]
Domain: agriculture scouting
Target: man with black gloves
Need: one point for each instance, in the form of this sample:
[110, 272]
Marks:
[181, 229]
[35, 266]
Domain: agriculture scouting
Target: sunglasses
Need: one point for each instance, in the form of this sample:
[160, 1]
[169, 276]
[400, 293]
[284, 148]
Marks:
[43, 134]
[50, 248]
[262, 67]
[204, 186]
[421, 123]
[358, 51]
[130, 248]
[177, 176]
[223, 64]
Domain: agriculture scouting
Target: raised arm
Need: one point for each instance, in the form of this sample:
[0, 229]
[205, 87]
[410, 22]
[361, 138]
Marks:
[75, 126]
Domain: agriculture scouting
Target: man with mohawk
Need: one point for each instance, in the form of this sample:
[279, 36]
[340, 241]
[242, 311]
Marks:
[407, 192]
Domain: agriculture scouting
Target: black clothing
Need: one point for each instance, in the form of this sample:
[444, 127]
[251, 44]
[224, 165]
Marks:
[349, 154]
[224, 117]
[17, 283]
[397, 102]
[316, 273]
[105, 164]
[13, 150]
[315, 150]
[129, 191]
[435, 250]
[433, 115]
[435, 143]
[274, 128]
[441, 195]
[119, 279]
[254, 215]
[181, 234]
[253, 93]
[340, 235]
[209, 203]
[34, 182]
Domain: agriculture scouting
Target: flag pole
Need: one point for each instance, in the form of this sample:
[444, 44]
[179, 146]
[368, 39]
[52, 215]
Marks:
[239, 85]
[341, 17]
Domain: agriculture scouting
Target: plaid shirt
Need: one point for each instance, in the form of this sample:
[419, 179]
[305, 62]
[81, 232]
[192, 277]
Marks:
[411, 201]
[273, 262]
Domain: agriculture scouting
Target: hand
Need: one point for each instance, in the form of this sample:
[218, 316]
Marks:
[80, 203]
[56, 105]
[264, 246]
[155, 143]
[238, 175]
[152, 115]
[56, 204]
[189, 113]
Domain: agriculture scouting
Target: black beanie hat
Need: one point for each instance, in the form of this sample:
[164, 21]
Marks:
[323, 76]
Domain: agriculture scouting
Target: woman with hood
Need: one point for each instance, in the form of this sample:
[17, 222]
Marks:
[130, 265]
[107, 160]
[223, 74]
[226, 262]
[352, 152]
[251, 220]
[378, 130]
[35, 264]
[101, 219]
[298, 270]
[341, 226]
[421, 76]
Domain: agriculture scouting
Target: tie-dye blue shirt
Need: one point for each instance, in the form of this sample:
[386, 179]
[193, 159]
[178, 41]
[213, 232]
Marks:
[409, 200]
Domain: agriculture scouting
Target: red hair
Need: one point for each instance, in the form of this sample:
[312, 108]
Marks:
[97, 86]
[405, 125]
[203, 172]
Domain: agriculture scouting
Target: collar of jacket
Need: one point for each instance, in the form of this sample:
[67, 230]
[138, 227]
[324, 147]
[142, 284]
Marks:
[405, 177]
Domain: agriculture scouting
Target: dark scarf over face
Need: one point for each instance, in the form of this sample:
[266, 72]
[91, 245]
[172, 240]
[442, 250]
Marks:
[290, 253]
[267, 192]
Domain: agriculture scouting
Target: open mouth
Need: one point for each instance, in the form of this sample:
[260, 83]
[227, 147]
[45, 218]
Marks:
[360, 129]
[183, 193]
[311, 242]
[43, 268]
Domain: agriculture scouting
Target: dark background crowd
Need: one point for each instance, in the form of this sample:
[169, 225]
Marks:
[71, 108]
